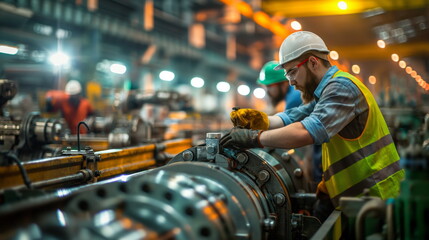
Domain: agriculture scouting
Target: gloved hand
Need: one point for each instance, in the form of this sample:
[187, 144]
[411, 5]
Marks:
[249, 118]
[322, 191]
[242, 138]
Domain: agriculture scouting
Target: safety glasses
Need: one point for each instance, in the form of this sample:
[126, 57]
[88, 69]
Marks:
[291, 74]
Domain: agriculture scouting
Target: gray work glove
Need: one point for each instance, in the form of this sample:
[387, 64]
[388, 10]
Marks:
[241, 138]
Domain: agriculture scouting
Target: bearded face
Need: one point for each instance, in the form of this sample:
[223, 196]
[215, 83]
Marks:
[277, 93]
[309, 87]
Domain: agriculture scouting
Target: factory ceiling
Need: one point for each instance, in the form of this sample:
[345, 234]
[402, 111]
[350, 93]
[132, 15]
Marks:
[125, 31]
[402, 24]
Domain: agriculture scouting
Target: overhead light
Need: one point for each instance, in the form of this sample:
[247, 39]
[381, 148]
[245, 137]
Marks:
[381, 44]
[8, 49]
[295, 25]
[166, 75]
[408, 70]
[223, 86]
[372, 80]
[243, 90]
[259, 93]
[342, 5]
[395, 57]
[334, 55]
[59, 59]
[118, 68]
[418, 78]
[197, 82]
[356, 69]
[402, 64]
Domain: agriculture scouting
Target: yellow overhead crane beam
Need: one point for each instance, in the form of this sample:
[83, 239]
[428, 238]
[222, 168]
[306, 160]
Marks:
[371, 51]
[312, 8]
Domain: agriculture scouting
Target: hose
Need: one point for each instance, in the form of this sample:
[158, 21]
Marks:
[24, 174]
[78, 133]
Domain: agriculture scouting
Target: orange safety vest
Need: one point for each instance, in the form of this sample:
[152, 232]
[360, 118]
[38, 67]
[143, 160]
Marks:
[72, 115]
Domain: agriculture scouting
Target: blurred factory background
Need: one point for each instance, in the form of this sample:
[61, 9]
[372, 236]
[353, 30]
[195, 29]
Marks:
[162, 77]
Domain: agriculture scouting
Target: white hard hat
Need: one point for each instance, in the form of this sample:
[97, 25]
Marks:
[298, 43]
[73, 87]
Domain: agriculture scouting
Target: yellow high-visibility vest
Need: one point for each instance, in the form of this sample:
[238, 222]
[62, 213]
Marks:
[369, 161]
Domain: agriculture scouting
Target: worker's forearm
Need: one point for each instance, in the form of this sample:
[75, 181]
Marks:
[275, 122]
[290, 136]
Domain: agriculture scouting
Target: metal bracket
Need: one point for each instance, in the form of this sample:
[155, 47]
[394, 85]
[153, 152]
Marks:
[212, 145]
[89, 157]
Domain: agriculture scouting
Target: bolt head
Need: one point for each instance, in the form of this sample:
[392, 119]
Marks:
[211, 149]
[187, 155]
[242, 158]
[269, 224]
[263, 175]
[279, 199]
[298, 172]
[285, 156]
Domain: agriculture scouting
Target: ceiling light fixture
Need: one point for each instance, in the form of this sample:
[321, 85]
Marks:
[59, 59]
[408, 69]
[295, 25]
[118, 68]
[166, 75]
[8, 49]
[342, 5]
[381, 44]
[197, 82]
[243, 90]
[356, 69]
[223, 86]
[259, 93]
[334, 55]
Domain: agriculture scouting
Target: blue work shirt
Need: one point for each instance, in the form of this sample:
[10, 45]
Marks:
[337, 102]
[292, 98]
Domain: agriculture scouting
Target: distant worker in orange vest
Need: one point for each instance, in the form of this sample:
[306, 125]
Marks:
[74, 108]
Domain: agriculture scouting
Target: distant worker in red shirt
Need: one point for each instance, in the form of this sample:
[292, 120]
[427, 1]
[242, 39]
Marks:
[74, 108]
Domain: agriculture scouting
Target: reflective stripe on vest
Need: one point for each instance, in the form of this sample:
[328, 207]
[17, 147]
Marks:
[368, 161]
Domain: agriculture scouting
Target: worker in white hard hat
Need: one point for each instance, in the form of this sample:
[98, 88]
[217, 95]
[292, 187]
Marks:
[340, 113]
[74, 108]
[279, 91]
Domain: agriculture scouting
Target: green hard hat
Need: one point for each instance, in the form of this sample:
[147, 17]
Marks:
[268, 75]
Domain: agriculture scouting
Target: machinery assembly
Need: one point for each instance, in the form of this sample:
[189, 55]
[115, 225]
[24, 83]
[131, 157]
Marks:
[207, 192]
[214, 119]
[204, 192]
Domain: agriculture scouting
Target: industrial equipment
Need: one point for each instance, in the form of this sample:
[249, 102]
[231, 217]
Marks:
[211, 192]
[126, 127]
[205, 192]
[24, 137]
[83, 166]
